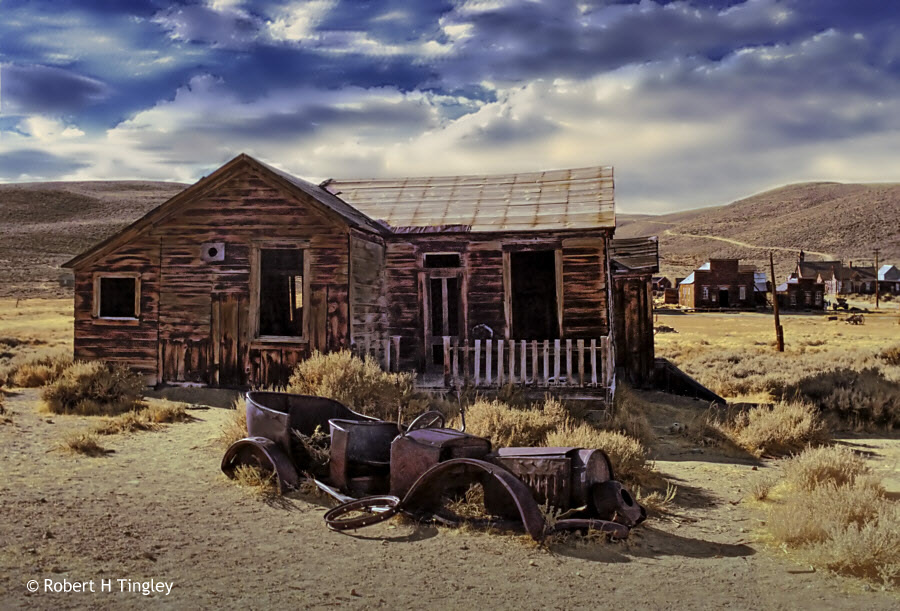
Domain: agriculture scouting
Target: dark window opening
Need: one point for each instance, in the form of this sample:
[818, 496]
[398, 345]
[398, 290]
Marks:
[534, 305]
[117, 297]
[281, 292]
[442, 260]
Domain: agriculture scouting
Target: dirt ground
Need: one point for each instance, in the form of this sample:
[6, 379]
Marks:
[159, 508]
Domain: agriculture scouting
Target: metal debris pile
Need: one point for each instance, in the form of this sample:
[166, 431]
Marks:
[377, 469]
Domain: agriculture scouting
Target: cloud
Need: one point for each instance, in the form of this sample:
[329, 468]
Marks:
[33, 164]
[47, 89]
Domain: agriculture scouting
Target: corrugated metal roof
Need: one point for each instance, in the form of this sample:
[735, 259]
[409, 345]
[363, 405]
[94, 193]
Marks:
[635, 254]
[580, 198]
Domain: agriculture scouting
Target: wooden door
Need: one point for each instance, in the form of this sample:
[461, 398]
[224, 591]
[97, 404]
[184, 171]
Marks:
[228, 340]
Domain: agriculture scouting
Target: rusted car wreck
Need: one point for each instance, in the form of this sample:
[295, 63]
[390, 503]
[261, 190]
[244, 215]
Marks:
[377, 469]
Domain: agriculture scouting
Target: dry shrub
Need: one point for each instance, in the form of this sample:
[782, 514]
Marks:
[808, 516]
[259, 483]
[166, 412]
[148, 419]
[860, 397]
[38, 370]
[891, 355]
[129, 422]
[93, 388]
[357, 383]
[835, 512]
[778, 430]
[836, 465]
[508, 426]
[82, 443]
[235, 427]
[629, 416]
[628, 455]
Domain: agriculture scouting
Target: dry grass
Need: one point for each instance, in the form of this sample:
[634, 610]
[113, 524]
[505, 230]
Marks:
[37, 370]
[149, 418]
[628, 456]
[357, 383]
[508, 426]
[258, 483]
[235, 427]
[836, 465]
[82, 443]
[833, 511]
[93, 388]
[841, 370]
[776, 430]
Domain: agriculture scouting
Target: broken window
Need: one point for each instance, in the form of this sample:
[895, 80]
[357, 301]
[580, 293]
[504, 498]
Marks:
[534, 307]
[281, 292]
[118, 297]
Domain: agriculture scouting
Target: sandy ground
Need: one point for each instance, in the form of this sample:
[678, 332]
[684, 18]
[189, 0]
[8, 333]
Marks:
[159, 508]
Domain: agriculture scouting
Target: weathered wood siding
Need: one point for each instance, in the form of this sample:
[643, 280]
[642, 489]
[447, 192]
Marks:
[633, 321]
[195, 321]
[131, 343]
[482, 293]
[368, 301]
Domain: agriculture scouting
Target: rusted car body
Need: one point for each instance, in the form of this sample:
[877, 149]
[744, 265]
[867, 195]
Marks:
[380, 468]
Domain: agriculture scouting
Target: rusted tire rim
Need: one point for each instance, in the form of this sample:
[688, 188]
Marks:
[387, 503]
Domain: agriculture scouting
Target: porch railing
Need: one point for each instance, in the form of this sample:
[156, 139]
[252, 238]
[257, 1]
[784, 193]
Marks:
[575, 363]
[541, 363]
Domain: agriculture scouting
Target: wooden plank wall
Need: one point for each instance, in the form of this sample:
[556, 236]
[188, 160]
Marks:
[131, 343]
[585, 300]
[633, 321]
[402, 286]
[368, 302]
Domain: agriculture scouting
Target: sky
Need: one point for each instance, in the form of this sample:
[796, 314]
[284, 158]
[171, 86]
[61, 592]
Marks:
[694, 102]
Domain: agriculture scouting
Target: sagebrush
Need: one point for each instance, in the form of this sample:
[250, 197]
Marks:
[93, 388]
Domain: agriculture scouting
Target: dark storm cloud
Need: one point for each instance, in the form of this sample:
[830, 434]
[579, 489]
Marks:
[22, 163]
[46, 89]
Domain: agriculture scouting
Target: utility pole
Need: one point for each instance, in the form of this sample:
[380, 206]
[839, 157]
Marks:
[877, 250]
[779, 332]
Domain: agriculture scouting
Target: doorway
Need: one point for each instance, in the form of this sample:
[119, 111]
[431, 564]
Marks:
[723, 298]
[444, 313]
[533, 298]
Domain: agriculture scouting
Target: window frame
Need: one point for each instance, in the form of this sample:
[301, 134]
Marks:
[98, 276]
[704, 292]
[256, 249]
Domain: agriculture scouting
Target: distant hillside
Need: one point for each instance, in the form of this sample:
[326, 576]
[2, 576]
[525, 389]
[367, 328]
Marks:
[826, 220]
[45, 224]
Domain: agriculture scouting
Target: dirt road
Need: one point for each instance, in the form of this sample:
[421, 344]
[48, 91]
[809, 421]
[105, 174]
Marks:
[158, 508]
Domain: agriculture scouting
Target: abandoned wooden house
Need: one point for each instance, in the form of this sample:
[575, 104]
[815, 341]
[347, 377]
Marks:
[488, 279]
[801, 294]
[719, 283]
[889, 279]
[660, 284]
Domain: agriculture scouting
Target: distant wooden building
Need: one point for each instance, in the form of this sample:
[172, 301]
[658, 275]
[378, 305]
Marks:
[660, 284]
[889, 280]
[485, 279]
[719, 283]
[801, 294]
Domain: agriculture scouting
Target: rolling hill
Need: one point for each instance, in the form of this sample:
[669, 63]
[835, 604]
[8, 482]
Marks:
[825, 219]
[45, 224]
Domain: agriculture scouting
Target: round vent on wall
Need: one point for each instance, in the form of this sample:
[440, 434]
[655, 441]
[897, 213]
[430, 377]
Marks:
[212, 251]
